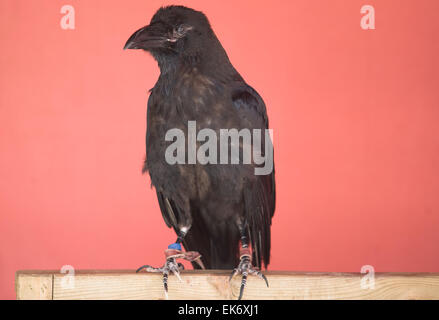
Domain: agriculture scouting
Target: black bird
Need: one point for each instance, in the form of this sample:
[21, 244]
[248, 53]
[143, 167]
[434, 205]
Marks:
[217, 210]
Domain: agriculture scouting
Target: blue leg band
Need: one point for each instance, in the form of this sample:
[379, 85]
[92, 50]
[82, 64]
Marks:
[176, 246]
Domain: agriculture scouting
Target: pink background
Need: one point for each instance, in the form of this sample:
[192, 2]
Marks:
[355, 117]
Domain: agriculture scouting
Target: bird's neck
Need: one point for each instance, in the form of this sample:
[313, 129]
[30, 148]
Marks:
[168, 63]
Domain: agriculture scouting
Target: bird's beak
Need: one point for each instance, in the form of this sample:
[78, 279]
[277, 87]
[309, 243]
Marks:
[146, 38]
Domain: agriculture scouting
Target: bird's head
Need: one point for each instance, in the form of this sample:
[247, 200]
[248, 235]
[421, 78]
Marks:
[174, 31]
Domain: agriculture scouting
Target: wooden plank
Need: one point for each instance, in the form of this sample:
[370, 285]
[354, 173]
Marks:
[34, 286]
[213, 284]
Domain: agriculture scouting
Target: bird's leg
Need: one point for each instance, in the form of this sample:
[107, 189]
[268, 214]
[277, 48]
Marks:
[245, 266]
[172, 253]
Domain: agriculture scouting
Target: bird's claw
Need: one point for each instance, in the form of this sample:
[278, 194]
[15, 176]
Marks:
[246, 268]
[171, 265]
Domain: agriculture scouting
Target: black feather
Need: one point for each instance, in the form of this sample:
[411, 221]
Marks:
[198, 83]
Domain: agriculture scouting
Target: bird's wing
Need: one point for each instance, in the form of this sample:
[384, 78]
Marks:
[260, 198]
[172, 212]
[168, 208]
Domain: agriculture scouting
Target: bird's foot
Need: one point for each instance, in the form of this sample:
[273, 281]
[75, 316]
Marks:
[245, 268]
[173, 253]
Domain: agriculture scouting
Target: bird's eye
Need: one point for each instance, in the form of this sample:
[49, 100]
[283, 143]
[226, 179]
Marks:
[181, 29]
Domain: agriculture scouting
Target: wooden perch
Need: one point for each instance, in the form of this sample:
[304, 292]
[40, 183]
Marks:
[213, 284]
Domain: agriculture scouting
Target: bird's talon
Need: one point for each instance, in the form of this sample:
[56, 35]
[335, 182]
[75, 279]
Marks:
[148, 268]
[200, 263]
[234, 272]
[141, 268]
[176, 272]
[245, 268]
[262, 276]
[171, 265]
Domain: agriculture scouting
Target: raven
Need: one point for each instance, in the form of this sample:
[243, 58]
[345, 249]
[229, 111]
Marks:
[217, 210]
